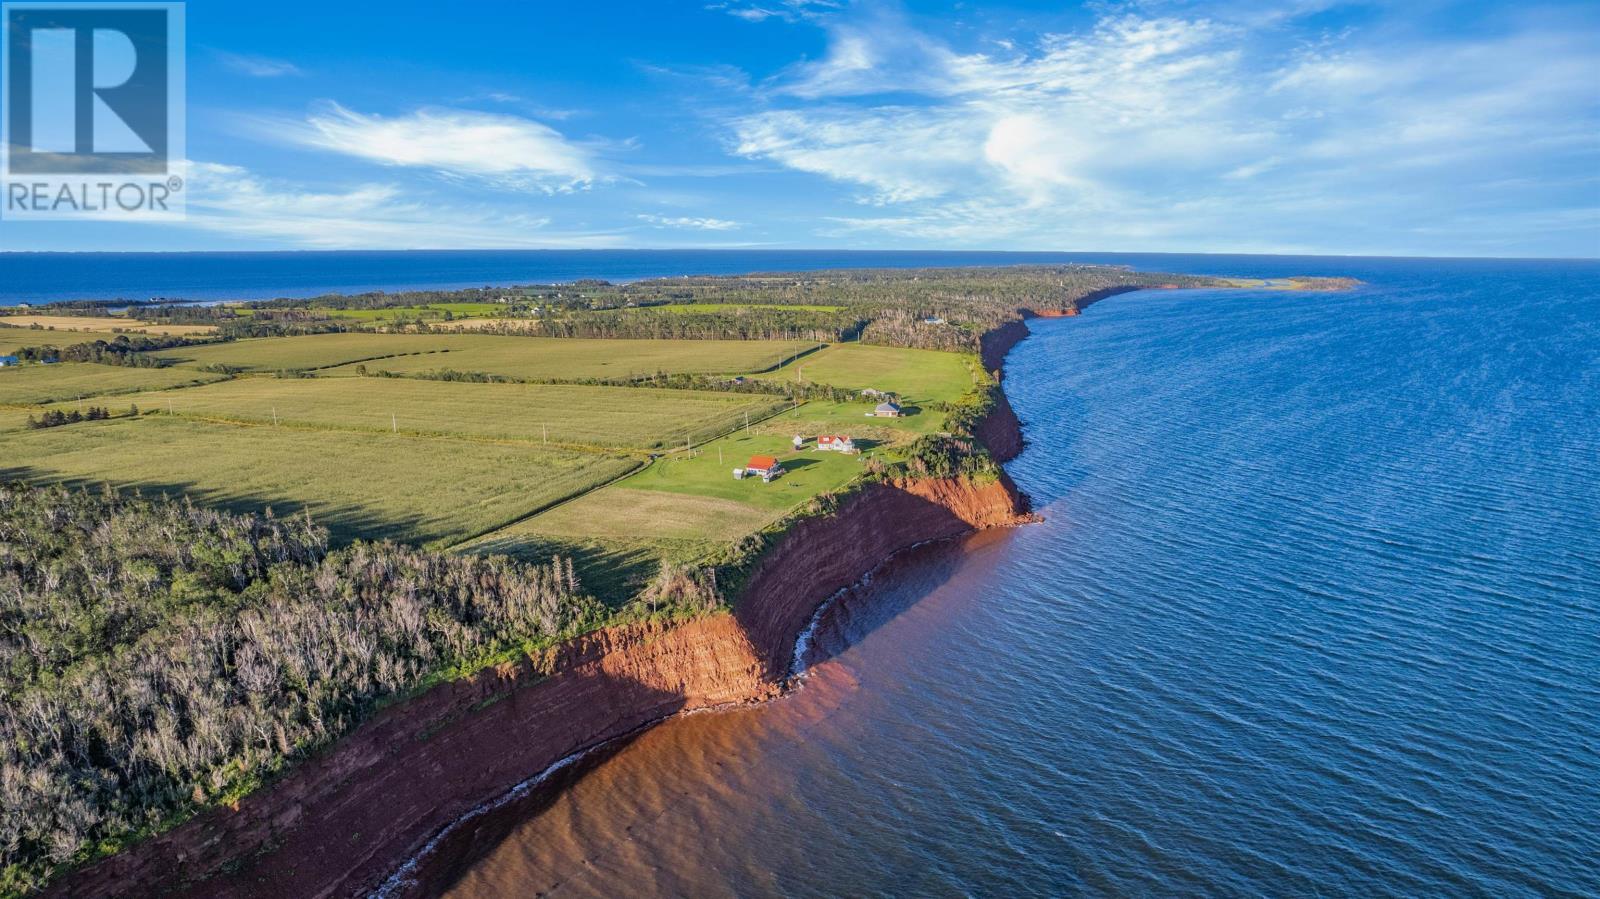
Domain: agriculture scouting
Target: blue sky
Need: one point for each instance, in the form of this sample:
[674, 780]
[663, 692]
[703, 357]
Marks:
[1403, 128]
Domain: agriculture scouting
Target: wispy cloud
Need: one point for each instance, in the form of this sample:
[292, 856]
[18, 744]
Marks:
[689, 222]
[510, 151]
[1175, 129]
[784, 10]
[256, 66]
[233, 200]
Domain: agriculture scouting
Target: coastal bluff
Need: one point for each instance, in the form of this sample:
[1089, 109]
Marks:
[342, 822]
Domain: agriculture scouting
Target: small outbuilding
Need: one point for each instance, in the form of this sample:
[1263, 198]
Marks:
[887, 410]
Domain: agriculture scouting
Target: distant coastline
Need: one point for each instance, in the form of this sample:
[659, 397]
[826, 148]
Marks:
[36, 278]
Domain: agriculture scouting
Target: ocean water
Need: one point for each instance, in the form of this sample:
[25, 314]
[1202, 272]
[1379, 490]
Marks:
[48, 277]
[1315, 610]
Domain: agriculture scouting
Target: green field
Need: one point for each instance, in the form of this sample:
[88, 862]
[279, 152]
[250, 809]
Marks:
[310, 351]
[611, 417]
[432, 311]
[14, 419]
[724, 307]
[918, 376]
[562, 358]
[13, 339]
[515, 357]
[419, 489]
[25, 384]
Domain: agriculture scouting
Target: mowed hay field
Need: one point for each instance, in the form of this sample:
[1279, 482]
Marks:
[91, 327]
[918, 376]
[560, 357]
[609, 417]
[63, 381]
[305, 352]
[13, 339]
[513, 357]
[418, 489]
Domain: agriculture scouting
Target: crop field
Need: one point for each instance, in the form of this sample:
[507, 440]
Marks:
[918, 376]
[25, 384]
[611, 417]
[560, 358]
[514, 357]
[419, 489]
[98, 326]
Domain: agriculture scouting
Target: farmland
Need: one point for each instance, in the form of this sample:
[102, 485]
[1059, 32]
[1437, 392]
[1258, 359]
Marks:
[611, 417]
[13, 339]
[417, 489]
[918, 376]
[24, 384]
[513, 357]
[87, 326]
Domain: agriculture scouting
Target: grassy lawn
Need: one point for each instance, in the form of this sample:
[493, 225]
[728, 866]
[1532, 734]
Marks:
[851, 420]
[23, 384]
[612, 417]
[918, 376]
[418, 489]
[709, 473]
[516, 357]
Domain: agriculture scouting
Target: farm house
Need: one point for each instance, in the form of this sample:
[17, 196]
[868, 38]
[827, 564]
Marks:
[767, 467]
[887, 410]
[836, 443]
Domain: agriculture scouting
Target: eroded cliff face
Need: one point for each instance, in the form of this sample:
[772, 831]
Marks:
[341, 823]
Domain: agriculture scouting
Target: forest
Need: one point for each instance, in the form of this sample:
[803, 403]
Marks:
[157, 656]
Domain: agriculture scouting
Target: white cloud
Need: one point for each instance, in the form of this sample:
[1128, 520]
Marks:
[1176, 129]
[689, 222]
[233, 200]
[257, 66]
[507, 150]
[784, 10]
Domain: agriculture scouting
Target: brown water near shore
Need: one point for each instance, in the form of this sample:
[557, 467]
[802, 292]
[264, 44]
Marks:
[652, 813]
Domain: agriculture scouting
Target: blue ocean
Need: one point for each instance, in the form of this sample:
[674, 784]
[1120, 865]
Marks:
[1314, 610]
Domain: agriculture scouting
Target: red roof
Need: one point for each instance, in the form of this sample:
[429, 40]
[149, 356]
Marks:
[833, 438]
[763, 463]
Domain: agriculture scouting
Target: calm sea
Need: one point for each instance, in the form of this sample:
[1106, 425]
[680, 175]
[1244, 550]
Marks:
[1315, 611]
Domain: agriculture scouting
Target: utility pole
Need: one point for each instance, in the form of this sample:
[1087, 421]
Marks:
[274, 416]
[546, 428]
[394, 423]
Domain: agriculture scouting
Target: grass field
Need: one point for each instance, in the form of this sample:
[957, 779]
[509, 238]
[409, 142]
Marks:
[611, 417]
[516, 357]
[426, 490]
[411, 313]
[547, 357]
[14, 419]
[310, 351]
[98, 325]
[723, 307]
[918, 376]
[13, 339]
[23, 384]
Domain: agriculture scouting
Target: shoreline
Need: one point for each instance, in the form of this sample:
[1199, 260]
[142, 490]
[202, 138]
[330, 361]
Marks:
[353, 818]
